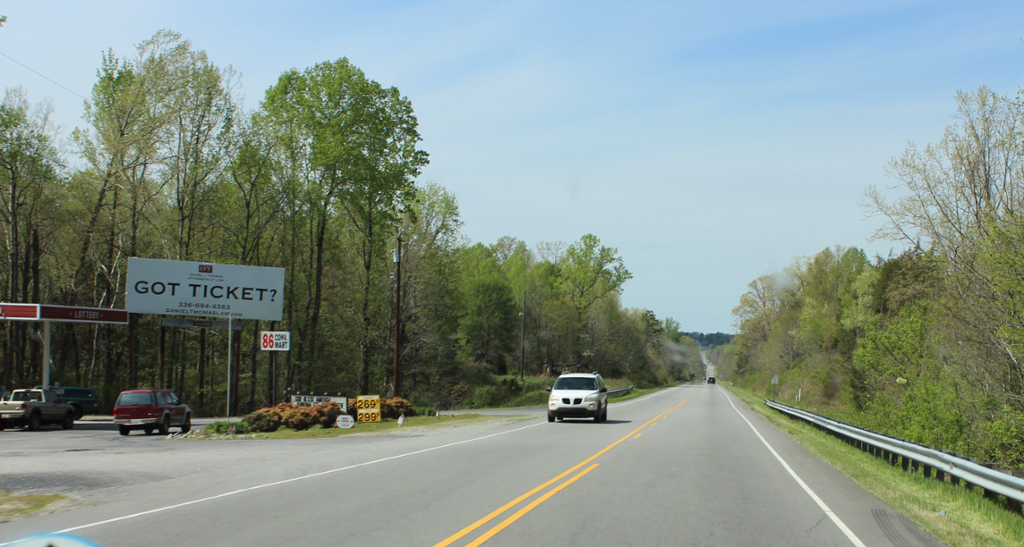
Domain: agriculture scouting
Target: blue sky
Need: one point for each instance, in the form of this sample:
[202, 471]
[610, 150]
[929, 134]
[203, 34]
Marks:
[710, 142]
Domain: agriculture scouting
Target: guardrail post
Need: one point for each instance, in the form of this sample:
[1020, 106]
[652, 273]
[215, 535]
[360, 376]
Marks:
[927, 471]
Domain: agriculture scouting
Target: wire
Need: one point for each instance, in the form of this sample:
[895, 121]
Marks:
[44, 77]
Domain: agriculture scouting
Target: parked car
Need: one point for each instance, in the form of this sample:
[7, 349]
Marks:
[83, 400]
[33, 408]
[578, 396]
[151, 410]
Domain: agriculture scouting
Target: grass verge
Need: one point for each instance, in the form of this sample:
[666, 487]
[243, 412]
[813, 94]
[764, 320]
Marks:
[416, 423]
[952, 514]
[16, 506]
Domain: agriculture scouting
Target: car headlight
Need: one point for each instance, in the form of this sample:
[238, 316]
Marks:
[552, 399]
[591, 398]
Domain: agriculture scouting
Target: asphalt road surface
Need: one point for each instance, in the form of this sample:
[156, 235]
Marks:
[689, 465]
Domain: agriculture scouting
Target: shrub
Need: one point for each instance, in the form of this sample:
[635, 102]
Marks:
[221, 428]
[395, 407]
[293, 417]
[327, 413]
[263, 420]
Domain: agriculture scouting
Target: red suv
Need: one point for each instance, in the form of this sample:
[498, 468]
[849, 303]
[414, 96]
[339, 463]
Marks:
[151, 410]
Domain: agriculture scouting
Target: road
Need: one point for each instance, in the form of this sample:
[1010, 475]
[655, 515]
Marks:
[689, 465]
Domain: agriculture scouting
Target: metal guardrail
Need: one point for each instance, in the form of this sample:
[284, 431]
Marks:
[912, 456]
[623, 391]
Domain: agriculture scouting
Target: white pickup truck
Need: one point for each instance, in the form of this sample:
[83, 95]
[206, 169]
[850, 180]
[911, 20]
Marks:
[33, 408]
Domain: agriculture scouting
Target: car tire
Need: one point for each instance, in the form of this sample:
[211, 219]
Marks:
[69, 420]
[165, 425]
[78, 411]
[597, 417]
[604, 416]
[124, 430]
[148, 429]
[186, 426]
[559, 418]
[34, 421]
[550, 418]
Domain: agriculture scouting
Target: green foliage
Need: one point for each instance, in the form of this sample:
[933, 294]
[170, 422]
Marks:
[318, 179]
[293, 417]
[222, 428]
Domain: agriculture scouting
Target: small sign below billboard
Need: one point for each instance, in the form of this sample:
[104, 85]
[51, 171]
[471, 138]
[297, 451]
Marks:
[201, 323]
[346, 422]
[275, 341]
[310, 398]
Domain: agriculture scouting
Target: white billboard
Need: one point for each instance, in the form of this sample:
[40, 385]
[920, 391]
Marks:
[200, 289]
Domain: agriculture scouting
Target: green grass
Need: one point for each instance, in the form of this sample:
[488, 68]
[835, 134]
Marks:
[416, 422]
[970, 519]
[14, 506]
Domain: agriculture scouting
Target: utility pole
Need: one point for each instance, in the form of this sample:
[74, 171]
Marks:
[398, 310]
[522, 342]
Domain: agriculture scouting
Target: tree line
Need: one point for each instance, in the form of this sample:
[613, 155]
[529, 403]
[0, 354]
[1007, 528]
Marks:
[320, 178]
[926, 345]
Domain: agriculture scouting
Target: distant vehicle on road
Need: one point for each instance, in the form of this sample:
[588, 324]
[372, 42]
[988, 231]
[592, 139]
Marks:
[33, 408]
[83, 400]
[151, 410]
[578, 396]
[711, 379]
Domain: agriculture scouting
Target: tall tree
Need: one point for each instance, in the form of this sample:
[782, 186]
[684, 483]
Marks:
[361, 139]
[29, 167]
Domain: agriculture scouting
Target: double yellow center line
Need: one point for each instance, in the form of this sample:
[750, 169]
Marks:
[518, 514]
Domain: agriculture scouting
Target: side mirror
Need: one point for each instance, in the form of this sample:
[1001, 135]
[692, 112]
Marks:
[604, 390]
[548, 389]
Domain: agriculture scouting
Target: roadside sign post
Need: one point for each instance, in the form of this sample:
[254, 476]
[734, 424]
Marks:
[775, 383]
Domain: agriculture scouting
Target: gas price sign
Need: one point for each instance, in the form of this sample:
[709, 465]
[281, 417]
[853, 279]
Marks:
[275, 341]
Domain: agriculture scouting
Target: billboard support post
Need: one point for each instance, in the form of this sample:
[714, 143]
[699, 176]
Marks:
[228, 413]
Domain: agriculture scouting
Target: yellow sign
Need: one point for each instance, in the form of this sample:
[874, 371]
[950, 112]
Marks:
[368, 409]
[368, 416]
[368, 402]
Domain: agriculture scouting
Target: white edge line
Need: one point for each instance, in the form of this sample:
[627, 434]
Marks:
[835, 518]
[276, 483]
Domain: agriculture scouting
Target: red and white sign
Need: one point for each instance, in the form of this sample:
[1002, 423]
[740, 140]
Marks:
[346, 422]
[775, 378]
[275, 340]
[62, 314]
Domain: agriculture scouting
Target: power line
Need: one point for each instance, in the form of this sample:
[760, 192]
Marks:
[42, 76]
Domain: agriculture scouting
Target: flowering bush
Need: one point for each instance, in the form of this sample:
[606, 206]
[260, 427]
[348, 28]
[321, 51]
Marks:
[293, 416]
[395, 407]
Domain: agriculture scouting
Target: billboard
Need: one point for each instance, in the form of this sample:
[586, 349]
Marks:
[200, 289]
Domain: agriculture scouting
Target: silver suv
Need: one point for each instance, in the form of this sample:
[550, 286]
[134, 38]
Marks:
[578, 396]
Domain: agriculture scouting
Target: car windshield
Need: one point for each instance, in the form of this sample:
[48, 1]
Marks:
[578, 384]
[26, 396]
[135, 399]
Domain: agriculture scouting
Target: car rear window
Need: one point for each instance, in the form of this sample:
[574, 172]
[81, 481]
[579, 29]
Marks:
[26, 396]
[135, 399]
[576, 384]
